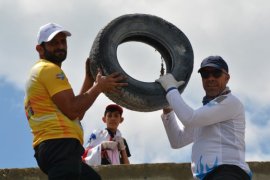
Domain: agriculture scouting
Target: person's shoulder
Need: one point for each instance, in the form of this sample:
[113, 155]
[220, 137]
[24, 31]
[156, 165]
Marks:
[118, 133]
[102, 132]
[233, 97]
[221, 98]
[43, 65]
[49, 65]
[234, 100]
[99, 131]
[226, 99]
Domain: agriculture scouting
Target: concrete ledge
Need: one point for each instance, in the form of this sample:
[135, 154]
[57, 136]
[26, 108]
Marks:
[162, 171]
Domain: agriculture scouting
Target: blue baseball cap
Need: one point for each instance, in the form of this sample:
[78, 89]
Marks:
[214, 61]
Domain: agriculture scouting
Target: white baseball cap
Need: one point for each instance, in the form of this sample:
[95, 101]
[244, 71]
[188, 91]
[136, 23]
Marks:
[48, 31]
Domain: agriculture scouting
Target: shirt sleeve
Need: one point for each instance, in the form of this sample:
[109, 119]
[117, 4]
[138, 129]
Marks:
[217, 110]
[178, 137]
[54, 79]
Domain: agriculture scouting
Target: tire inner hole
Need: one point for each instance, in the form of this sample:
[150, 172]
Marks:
[140, 61]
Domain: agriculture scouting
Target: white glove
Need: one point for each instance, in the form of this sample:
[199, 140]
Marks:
[168, 81]
[120, 142]
[112, 145]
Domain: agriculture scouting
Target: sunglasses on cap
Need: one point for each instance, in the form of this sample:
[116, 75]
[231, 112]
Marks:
[216, 73]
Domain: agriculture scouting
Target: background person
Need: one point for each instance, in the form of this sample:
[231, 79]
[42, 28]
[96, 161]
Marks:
[108, 146]
[54, 112]
[217, 129]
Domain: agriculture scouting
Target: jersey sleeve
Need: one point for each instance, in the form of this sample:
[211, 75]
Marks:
[54, 79]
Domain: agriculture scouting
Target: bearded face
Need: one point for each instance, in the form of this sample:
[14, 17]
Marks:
[54, 50]
[56, 56]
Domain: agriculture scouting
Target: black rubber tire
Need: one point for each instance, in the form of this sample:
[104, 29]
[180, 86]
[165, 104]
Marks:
[167, 39]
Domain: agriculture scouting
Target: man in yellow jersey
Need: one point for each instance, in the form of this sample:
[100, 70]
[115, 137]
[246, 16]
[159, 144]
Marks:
[54, 112]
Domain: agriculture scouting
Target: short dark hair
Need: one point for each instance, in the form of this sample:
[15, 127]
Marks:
[113, 108]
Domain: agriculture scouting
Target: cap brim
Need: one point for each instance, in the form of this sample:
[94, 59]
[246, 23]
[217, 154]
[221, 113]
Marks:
[67, 33]
[210, 65]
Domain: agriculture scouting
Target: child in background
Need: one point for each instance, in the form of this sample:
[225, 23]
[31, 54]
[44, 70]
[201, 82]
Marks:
[108, 146]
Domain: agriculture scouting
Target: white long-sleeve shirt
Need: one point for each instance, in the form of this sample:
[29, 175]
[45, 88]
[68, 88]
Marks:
[217, 131]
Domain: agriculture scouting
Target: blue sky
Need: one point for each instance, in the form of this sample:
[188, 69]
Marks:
[16, 150]
[236, 30]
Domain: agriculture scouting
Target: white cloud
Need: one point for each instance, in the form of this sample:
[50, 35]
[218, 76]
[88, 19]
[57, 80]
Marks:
[256, 139]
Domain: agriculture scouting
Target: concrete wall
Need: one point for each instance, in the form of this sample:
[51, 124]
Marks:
[163, 171]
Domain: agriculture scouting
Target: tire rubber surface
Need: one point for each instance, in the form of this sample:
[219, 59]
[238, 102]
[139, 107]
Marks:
[166, 38]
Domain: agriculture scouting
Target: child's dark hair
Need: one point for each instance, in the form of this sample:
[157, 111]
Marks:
[113, 108]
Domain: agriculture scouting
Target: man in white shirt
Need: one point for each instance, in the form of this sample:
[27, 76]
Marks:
[217, 129]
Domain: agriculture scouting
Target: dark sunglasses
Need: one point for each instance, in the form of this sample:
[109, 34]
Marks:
[216, 73]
